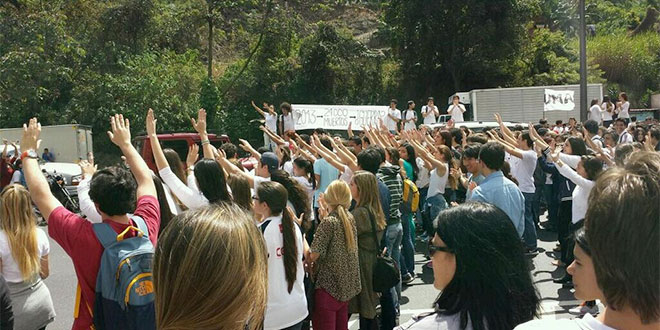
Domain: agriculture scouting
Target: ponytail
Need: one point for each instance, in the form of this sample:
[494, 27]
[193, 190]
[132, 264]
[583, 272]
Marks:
[347, 222]
[290, 248]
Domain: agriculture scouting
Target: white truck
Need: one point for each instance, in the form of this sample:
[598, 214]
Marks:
[526, 104]
[68, 143]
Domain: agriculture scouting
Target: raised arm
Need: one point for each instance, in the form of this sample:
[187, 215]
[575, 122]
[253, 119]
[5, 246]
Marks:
[200, 127]
[506, 132]
[272, 135]
[37, 184]
[345, 155]
[349, 130]
[87, 207]
[261, 112]
[156, 150]
[512, 150]
[121, 136]
[426, 155]
[230, 168]
[246, 146]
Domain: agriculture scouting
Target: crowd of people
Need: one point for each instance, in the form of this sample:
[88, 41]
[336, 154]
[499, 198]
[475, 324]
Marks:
[295, 241]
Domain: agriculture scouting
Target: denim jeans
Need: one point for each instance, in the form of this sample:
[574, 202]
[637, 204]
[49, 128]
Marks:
[434, 205]
[408, 252]
[394, 235]
[529, 235]
[422, 201]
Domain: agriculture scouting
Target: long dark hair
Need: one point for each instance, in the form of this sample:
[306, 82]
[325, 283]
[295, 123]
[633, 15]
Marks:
[165, 211]
[492, 286]
[593, 166]
[307, 166]
[275, 196]
[211, 181]
[412, 159]
[578, 147]
[175, 163]
[297, 196]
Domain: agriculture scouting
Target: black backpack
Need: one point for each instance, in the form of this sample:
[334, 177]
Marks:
[386, 273]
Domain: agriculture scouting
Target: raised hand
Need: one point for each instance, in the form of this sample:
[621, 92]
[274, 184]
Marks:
[150, 122]
[200, 123]
[88, 169]
[121, 131]
[244, 145]
[498, 118]
[193, 155]
[30, 139]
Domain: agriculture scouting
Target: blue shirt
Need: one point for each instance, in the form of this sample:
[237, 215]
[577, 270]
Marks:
[328, 173]
[503, 193]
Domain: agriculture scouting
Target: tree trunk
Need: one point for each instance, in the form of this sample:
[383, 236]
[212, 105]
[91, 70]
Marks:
[210, 44]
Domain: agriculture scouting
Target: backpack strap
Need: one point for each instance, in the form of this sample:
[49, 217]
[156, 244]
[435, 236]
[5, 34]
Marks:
[105, 234]
[141, 224]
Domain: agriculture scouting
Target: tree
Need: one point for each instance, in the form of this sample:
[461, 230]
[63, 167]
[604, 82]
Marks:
[456, 45]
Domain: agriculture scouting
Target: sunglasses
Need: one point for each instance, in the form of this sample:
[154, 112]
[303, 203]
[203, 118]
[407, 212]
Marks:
[434, 248]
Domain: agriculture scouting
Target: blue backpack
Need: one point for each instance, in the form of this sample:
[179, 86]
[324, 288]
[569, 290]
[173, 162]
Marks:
[124, 285]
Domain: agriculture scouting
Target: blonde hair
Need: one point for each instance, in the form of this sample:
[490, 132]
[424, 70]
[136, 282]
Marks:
[338, 197]
[20, 225]
[367, 186]
[210, 271]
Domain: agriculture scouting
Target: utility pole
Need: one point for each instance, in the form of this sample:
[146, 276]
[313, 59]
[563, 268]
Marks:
[583, 61]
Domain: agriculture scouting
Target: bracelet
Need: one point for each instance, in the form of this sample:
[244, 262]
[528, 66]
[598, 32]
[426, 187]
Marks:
[205, 142]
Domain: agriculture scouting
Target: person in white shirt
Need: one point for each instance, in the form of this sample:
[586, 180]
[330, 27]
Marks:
[608, 111]
[595, 111]
[211, 181]
[270, 118]
[393, 117]
[409, 119]
[590, 129]
[623, 107]
[523, 164]
[286, 122]
[621, 129]
[456, 110]
[430, 112]
[287, 304]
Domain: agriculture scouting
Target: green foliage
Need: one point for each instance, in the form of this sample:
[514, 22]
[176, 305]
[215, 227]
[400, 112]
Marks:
[209, 99]
[448, 46]
[631, 62]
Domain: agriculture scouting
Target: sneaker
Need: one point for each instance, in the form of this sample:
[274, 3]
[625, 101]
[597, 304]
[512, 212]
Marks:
[584, 309]
[407, 278]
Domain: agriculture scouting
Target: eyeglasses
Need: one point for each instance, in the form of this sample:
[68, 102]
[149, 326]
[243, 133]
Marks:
[255, 198]
[434, 248]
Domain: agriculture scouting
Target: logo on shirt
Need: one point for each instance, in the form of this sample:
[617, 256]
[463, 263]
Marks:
[144, 288]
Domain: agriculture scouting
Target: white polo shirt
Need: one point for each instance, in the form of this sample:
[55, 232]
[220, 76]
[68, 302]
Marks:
[430, 119]
[389, 122]
[409, 114]
[456, 112]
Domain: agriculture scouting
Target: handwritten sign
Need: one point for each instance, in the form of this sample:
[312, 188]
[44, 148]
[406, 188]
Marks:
[556, 100]
[311, 116]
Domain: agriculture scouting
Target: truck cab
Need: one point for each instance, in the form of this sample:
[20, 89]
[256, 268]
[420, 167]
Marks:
[178, 141]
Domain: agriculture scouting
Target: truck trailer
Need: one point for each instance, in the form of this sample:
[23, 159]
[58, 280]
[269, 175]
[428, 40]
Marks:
[68, 143]
[522, 104]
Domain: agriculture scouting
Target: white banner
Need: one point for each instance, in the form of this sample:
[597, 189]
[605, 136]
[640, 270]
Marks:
[337, 117]
[563, 100]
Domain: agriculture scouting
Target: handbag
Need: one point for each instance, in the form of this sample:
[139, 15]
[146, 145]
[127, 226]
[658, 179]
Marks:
[386, 274]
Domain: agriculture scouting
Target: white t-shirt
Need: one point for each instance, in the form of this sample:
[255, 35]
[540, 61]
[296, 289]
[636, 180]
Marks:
[346, 175]
[391, 123]
[423, 175]
[271, 121]
[16, 177]
[594, 113]
[437, 184]
[283, 309]
[587, 322]
[523, 170]
[623, 113]
[191, 198]
[308, 189]
[606, 116]
[456, 112]
[288, 167]
[289, 122]
[257, 180]
[10, 270]
[410, 114]
[430, 119]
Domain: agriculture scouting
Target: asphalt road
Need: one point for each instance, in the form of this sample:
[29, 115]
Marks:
[416, 298]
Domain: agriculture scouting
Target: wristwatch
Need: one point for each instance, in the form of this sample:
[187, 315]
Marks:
[30, 153]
